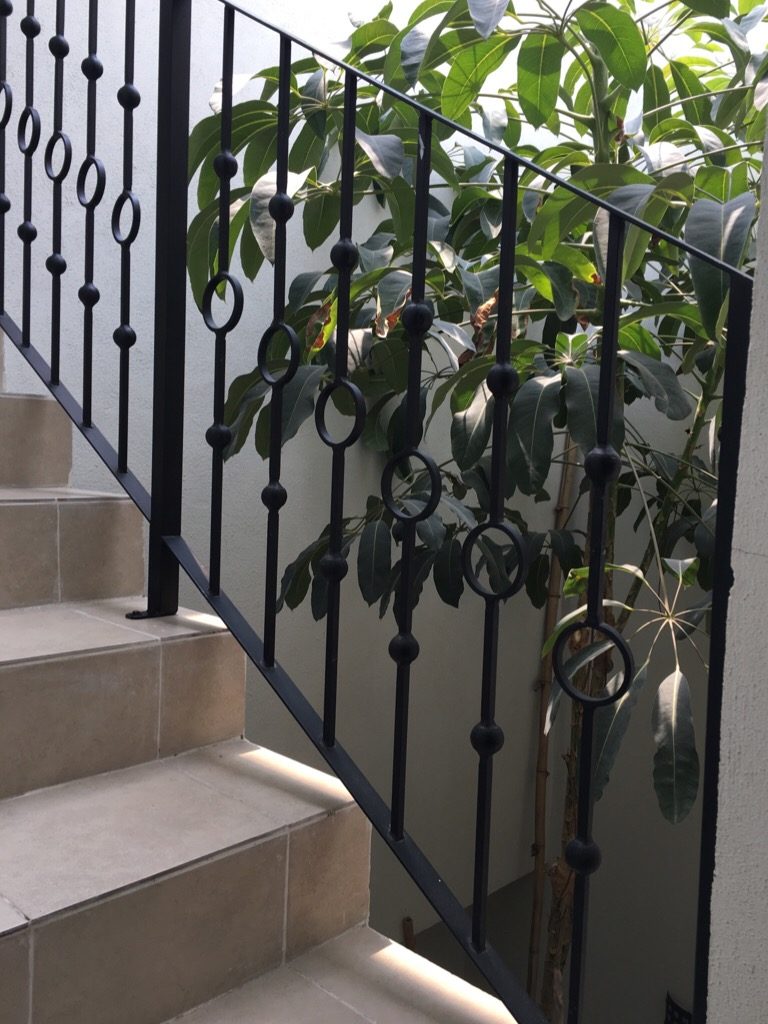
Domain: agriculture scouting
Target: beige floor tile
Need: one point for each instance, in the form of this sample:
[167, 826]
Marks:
[115, 565]
[280, 997]
[392, 985]
[154, 952]
[53, 630]
[283, 790]
[29, 558]
[69, 717]
[37, 442]
[185, 623]
[73, 843]
[328, 879]
[203, 692]
[14, 978]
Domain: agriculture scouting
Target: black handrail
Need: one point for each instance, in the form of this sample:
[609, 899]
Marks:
[168, 551]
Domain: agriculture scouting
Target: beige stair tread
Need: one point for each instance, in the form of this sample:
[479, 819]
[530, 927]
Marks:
[72, 844]
[52, 630]
[360, 977]
[41, 494]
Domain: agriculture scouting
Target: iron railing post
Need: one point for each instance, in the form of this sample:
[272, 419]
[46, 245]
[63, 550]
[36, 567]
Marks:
[170, 303]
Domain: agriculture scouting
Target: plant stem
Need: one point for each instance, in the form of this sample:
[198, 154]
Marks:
[544, 686]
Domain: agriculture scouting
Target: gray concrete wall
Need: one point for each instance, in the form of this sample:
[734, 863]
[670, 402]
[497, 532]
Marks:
[738, 978]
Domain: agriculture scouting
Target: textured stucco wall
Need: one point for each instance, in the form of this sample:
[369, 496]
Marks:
[738, 977]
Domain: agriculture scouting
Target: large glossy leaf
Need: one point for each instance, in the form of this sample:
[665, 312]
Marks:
[469, 70]
[582, 395]
[611, 724]
[386, 152]
[449, 577]
[471, 429]
[262, 224]
[721, 230]
[718, 8]
[486, 14]
[374, 560]
[676, 762]
[539, 64]
[617, 39]
[655, 95]
[530, 438]
[657, 380]
[298, 406]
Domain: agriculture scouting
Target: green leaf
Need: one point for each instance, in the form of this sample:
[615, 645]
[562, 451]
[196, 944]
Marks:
[683, 569]
[262, 224]
[321, 215]
[486, 15]
[657, 380]
[386, 152]
[717, 8]
[722, 230]
[469, 70]
[471, 429]
[530, 438]
[611, 723]
[298, 406]
[617, 39]
[245, 397]
[537, 581]
[566, 549]
[675, 763]
[449, 576]
[390, 359]
[687, 83]
[374, 560]
[539, 64]
[655, 95]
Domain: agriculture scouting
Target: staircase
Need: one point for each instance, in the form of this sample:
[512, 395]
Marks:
[153, 863]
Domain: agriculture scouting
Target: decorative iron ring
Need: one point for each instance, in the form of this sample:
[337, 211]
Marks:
[58, 177]
[618, 642]
[435, 484]
[29, 114]
[360, 413]
[101, 182]
[126, 196]
[7, 91]
[471, 576]
[237, 308]
[293, 361]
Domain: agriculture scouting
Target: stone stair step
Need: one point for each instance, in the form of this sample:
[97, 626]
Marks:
[360, 977]
[84, 690]
[37, 442]
[142, 893]
[60, 544]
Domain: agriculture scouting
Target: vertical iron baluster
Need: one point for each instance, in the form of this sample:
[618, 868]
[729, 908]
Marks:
[56, 264]
[170, 301]
[6, 9]
[333, 565]
[417, 320]
[601, 465]
[734, 388]
[89, 294]
[124, 335]
[28, 143]
[487, 737]
[281, 210]
[218, 435]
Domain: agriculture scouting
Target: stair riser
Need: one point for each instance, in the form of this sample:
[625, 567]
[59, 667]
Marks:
[143, 956]
[69, 551]
[74, 716]
[37, 442]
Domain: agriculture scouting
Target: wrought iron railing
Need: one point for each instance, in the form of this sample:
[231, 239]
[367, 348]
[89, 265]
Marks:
[168, 550]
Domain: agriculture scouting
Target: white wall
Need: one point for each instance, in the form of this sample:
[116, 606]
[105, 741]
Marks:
[738, 979]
